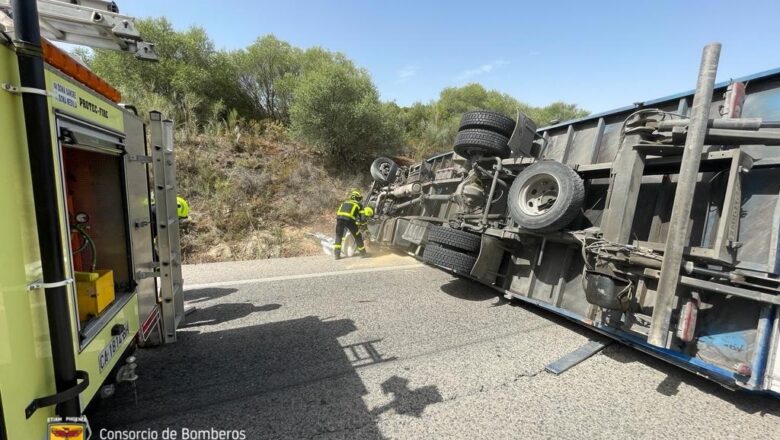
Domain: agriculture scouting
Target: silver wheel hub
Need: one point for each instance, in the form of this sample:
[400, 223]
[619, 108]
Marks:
[539, 194]
[385, 169]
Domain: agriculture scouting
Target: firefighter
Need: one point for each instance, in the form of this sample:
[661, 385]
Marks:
[182, 209]
[182, 213]
[349, 217]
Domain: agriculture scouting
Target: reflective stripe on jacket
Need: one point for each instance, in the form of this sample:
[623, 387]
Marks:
[349, 209]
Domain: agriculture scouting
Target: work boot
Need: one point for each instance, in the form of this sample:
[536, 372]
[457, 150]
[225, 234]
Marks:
[337, 254]
[364, 254]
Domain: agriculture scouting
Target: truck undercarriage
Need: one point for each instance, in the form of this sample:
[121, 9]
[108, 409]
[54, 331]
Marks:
[655, 224]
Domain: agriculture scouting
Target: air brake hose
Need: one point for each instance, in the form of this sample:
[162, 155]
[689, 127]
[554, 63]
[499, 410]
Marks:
[92, 248]
[81, 248]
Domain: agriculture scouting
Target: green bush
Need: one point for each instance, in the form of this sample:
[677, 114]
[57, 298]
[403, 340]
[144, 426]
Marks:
[189, 66]
[431, 128]
[336, 109]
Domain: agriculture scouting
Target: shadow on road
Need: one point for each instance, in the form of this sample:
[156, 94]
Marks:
[463, 288]
[407, 401]
[675, 377]
[220, 313]
[199, 295]
[288, 379]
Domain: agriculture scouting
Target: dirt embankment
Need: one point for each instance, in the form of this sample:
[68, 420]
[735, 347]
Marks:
[254, 196]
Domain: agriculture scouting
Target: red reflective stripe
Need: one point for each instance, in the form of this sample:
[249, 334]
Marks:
[150, 322]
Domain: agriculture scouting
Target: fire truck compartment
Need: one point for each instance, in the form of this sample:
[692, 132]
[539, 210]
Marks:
[94, 190]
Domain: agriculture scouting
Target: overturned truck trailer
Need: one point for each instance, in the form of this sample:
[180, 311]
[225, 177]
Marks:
[656, 224]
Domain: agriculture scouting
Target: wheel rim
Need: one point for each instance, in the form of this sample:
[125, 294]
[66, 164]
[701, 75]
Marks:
[384, 169]
[538, 195]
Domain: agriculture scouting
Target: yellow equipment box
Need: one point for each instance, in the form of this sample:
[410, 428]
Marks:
[95, 291]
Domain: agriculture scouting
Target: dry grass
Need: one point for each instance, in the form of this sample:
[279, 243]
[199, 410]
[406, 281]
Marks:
[254, 193]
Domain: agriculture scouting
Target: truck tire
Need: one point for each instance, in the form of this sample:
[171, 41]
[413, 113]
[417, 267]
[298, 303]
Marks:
[492, 121]
[449, 259]
[454, 238]
[384, 170]
[546, 196]
[480, 142]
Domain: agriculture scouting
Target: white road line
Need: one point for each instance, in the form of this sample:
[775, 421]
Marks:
[301, 277]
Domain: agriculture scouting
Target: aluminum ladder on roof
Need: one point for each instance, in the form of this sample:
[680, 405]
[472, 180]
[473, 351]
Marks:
[171, 296]
[92, 23]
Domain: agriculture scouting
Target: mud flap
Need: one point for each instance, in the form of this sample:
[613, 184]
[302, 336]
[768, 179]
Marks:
[416, 232]
[401, 224]
[491, 252]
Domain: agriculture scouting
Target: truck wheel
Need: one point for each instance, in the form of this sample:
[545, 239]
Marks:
[546, 196]
[454, 238]
[480, 142]
[448, 259]
[495, 122]
[383, 170]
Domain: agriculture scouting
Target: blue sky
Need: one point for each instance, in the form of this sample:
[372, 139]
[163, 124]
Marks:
[598, 54]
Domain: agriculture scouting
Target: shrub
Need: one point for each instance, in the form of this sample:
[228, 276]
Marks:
[336, 109]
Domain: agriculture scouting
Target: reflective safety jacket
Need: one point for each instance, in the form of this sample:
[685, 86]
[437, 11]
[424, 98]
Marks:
[349, 210]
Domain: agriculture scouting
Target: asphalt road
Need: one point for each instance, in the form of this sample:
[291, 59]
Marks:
[389, 348]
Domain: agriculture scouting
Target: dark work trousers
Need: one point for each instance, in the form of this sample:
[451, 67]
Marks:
[342, 226]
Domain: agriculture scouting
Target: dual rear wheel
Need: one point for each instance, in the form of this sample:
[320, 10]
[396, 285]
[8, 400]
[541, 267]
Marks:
[452, 249]
[484, 133]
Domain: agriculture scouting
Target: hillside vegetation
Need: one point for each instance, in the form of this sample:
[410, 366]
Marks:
[267, 135]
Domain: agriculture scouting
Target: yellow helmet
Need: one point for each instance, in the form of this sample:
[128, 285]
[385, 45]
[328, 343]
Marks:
[368, 211]
[355, 194]
[182, 207]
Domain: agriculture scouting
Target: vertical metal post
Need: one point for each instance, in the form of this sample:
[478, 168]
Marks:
[597, 138]
[567, 144]
[761, 351]
[42, 170]
[683, 198]
[625, 182]
[492, 192]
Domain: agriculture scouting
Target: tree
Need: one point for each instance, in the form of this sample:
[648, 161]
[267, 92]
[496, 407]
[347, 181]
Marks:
[392, 128]
[557, 111]
[431, 128]
[321, 95]
[336, 109]
[267, 74]
[189, 69]
[454, 101]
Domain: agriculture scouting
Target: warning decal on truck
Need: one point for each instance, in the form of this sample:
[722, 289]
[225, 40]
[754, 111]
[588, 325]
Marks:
[64, 94]
[76, 100]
